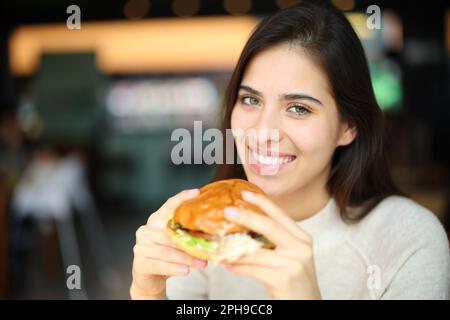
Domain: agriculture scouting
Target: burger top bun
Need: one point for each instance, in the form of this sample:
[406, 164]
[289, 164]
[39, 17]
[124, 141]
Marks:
[205, 212]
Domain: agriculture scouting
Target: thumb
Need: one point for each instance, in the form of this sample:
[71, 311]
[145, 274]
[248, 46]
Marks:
[171, 204]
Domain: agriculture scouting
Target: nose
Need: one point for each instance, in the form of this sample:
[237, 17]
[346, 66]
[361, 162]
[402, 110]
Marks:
[267, 130]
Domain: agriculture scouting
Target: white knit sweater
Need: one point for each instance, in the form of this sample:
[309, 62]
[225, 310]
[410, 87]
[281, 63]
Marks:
[399, 251]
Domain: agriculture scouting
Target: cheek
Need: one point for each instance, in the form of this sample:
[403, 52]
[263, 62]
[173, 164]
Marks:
[240, 119]
[315, 136]
[238, 124]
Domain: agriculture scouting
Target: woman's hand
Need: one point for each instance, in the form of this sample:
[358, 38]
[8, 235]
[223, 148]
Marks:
[288, 271]
[155, 257]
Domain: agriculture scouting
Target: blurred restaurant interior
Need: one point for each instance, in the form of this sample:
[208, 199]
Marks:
[87, 116]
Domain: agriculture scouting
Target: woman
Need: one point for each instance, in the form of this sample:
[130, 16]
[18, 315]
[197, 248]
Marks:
[342, 229]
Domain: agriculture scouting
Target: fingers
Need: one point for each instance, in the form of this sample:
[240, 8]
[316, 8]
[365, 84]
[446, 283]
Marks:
[261, 274]
[276, 213]
[275, 258]
[155, 244]
[173, 202]
[147, 236]
[170, 205]
[152, 259]
[152, 267]
[167, 254]
[272, 268]
[264, 225]
[262, 257]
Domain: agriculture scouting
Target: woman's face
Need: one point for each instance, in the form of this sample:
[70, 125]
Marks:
[284, 92]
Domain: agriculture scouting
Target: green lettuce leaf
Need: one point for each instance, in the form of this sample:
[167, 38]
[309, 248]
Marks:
[197, 242]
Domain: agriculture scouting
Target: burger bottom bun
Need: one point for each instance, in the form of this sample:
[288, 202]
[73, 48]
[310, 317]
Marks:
[228, 249]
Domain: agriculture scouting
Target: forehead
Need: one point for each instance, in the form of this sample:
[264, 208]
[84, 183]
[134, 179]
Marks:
[285, 68]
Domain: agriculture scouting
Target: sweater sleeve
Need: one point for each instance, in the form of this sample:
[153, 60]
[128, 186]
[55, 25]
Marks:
[193, 286]
[425, 274]
[422, 277]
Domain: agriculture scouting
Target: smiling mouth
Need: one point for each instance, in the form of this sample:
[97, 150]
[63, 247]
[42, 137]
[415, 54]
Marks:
[270, 160]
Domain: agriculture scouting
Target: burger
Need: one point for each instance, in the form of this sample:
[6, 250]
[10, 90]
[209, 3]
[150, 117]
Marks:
[199, 227]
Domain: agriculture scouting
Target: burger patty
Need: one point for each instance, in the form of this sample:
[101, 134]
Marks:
[199, 234]
[203, 235]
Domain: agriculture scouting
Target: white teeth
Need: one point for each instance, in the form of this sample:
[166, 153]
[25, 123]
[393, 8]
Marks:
[271, 160]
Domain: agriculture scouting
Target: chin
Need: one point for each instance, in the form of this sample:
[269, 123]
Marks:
[269, 184]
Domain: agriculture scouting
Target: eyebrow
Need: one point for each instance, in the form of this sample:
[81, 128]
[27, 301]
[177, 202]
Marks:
[288, 96]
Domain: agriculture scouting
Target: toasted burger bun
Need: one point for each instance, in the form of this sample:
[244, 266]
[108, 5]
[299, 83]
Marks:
[199, 227]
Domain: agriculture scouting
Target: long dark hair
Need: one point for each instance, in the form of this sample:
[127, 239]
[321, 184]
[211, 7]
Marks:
[359, 176]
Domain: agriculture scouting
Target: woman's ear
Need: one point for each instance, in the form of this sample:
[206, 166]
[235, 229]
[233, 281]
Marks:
[348, 133]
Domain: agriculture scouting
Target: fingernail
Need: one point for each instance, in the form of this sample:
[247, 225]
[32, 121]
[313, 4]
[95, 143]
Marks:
[199, 263]
[248, 194]
[183, 269]
[231, 211]
[192, 192]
